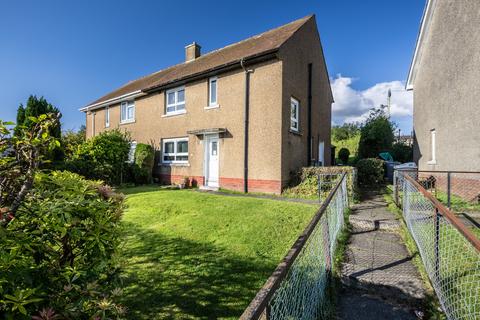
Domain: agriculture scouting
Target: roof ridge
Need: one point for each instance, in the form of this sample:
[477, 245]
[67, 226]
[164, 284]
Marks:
[306, 18]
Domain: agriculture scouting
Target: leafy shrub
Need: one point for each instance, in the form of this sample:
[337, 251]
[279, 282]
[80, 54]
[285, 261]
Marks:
[343, 155]
[144, 158]
[376, 135]
[305, 183]
[60, 252]
[103, 157]
[370, 171]
[402, 152]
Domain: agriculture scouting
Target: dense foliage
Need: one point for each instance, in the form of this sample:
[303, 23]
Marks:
[343, 155]
[59, 233]
[402, 152]
[34, 108]
[370, 171]
[71, 141]
[103, 157]
[305, 183]
[376, 135]
[345, 131]
[60, 251]
[143, 163]
[21, 155]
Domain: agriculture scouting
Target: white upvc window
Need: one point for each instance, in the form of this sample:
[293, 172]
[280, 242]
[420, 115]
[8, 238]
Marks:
[175, 150]
[212, 91]
[127, 111]
[294, 114]
[433, 156]
[175, 101]
[131, 152]
[107, 117]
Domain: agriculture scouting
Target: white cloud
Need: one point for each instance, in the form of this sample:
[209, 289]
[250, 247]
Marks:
[354, 105]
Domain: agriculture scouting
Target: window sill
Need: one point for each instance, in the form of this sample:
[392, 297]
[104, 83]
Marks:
[173, 114]
[174, 165]
[127, 122]
[432, 162]
[216, 106]
[297, 133]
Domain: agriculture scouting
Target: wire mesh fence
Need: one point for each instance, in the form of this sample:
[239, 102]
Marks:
[449, 250]
[459, 191]
[298, 288]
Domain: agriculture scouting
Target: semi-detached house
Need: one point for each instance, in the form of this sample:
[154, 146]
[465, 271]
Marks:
[244, 117]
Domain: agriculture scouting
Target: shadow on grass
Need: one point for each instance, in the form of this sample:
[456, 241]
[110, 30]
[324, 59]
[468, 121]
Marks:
[176, 278]
[145, 189]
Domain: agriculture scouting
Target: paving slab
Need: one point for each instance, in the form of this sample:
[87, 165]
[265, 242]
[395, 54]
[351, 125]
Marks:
[378, 276]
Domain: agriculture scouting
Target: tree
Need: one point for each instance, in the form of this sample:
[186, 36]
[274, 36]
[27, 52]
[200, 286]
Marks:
[34, 108]
[21, 158]
[345, 131]
[343, 155]
[376, 135]
[72, 140]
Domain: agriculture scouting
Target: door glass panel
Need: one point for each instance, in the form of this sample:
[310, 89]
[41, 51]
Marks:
[214, 148]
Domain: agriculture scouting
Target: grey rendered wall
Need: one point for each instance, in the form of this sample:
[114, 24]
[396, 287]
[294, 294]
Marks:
[447, 88]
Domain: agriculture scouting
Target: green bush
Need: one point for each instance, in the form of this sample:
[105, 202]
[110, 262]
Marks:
[343, 155]
[103, 157]
[59, 254]
[143, 165]
[376, 135]
[305, 183]
[370, 171]
[402, 152]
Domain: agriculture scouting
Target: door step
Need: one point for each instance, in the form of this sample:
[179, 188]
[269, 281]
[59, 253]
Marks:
[208, 188]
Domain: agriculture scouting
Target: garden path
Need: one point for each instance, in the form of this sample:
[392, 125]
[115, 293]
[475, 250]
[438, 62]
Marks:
[379, 280]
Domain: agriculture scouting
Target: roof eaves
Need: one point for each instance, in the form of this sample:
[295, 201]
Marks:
[424, 26]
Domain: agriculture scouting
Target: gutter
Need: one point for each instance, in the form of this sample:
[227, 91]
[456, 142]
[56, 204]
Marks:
[101, 104]
[309, 115]
[261, 57]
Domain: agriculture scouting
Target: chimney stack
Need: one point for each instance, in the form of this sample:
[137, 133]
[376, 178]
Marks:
[192, 52]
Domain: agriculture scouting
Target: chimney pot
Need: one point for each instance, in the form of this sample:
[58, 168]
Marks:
[192, 52]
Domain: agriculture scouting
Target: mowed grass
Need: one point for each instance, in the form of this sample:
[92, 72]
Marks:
[191, 255]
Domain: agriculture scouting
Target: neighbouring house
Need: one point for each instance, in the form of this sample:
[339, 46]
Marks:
[445, 79]
[244, 117]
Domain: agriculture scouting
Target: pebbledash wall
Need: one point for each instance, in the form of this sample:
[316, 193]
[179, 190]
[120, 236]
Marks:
[274, 152]
[444, 79]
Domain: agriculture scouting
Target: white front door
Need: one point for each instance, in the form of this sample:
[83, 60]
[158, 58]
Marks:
[212, 152]
[321, 153]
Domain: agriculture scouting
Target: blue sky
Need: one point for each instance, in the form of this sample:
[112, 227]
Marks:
[72, 52]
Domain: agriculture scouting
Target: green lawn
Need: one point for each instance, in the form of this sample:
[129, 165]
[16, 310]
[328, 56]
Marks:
[195, 255]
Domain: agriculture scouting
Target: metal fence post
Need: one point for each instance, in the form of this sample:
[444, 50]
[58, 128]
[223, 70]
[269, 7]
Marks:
[437, 242]
[319, 188]
[449, 189]
[395, 182]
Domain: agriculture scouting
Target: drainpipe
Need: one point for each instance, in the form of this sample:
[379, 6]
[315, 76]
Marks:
[309, 115]
[246, 124]
[93, 123]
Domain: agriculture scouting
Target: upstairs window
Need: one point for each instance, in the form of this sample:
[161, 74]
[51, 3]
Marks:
[175, 101]
[107, 117]
[212, 92]
[175, 150]
[294, 114]
[127, 111]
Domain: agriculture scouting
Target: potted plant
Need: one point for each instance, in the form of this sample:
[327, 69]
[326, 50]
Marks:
[185, 183]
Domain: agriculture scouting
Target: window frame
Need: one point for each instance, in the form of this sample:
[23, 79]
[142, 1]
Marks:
[107, 116]
[127, 104]
[175, 152]
[176, 103]
[433, 146]
[210, 102]
[297, 119]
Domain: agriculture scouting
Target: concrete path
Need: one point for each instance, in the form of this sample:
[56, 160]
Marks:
[379, 280]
